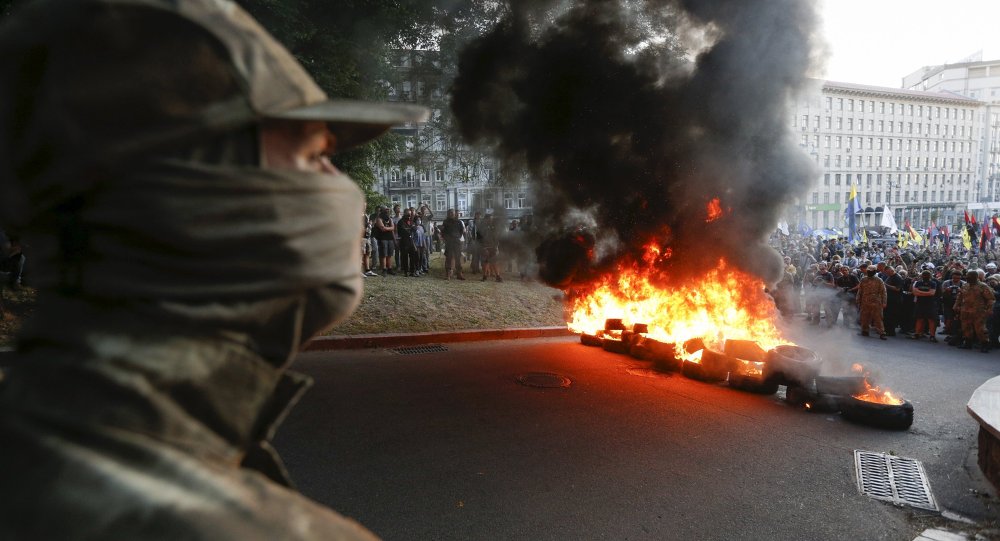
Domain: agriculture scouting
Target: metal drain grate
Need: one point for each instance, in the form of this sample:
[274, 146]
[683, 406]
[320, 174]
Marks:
[899, 480]
[417, 350]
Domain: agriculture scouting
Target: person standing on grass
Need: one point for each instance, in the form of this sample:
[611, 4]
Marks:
[420, 241]
[366, 246]
[473, 243]
[452, 230]
[385, 232]
[407, 248]
[489, 247]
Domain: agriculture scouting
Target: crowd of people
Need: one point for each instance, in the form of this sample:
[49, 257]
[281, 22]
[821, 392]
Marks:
[400, 243]
[886, 290]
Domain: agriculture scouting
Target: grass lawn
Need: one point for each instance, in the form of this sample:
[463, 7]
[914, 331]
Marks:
[397, 304]
[431, 303]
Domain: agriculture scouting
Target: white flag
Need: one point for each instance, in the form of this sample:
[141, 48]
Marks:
[888, 220]
[783, 227]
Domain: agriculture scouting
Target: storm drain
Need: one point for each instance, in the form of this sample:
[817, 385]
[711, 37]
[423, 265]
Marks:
[417, 350]
[545, 380]
[899, 480]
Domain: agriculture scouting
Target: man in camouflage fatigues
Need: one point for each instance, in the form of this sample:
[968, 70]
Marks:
[871, 301]
[974, 304]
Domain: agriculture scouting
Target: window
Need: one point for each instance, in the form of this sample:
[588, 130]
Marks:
[411, 200]
[508, 200]
[850, 105]
[489, 201]
[440, 202]
[423, 176]
[439, 175]
[839, 142]
[394, 176]
[829, 102]
[425, 199]
[815, 197]
[826, 179]
[840, 122]
[410, 183]
[396, 200]
[463, 201]
[836, 180]
[521, 199]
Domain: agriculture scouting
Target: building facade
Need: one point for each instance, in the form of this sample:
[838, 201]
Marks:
[979, 80]
[916, 152]
[438, 169]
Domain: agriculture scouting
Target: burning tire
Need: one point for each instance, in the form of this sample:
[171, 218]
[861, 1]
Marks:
[615, 345]
[752, 383]
[662, 354]
[888, 416]
[792, 365]
[591, 340]
[700, 372]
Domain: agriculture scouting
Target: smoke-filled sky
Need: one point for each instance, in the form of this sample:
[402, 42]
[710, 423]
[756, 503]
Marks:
[626, 136]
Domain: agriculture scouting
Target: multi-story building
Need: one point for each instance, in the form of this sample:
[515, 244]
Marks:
[917, 152]
[438, 169]
[978, 80]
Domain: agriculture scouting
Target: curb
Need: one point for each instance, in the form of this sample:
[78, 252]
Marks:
[364, 341]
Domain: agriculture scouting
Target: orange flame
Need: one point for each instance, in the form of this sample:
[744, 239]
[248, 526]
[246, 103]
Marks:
[714, 210]
[724, 304]
[878, 396]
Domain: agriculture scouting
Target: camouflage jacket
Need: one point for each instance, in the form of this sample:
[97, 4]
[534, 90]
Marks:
[871, 292]
[974, 298]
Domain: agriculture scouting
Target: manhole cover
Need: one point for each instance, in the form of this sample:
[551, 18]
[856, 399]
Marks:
[647, 373]
[899, 480]
[417, 350]
[543, 379]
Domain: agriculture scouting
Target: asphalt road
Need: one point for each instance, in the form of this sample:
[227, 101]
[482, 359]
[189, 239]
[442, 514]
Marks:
[449, 445]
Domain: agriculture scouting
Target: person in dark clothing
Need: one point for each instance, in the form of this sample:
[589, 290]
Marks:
[452, 230]
[893, 289]
[848, 283]
[407, 249]
[949, 292]
[926, 293]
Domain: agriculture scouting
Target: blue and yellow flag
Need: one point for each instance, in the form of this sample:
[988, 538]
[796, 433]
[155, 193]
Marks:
[853, 207]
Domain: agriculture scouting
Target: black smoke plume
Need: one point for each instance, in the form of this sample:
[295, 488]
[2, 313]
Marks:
[629, 139]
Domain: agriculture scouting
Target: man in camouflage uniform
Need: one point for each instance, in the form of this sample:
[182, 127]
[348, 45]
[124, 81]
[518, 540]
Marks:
[168, 160]
[974, 304]
[871, 301]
